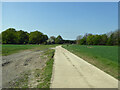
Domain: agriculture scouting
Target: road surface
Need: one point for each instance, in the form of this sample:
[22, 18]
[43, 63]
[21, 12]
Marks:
[70, 71]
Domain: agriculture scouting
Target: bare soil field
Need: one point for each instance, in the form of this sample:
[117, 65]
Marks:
[19, 69]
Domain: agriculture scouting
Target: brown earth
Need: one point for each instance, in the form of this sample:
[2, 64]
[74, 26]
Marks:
[21, 66]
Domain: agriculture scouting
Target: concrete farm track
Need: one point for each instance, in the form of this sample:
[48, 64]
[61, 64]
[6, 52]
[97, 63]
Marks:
[70, 71]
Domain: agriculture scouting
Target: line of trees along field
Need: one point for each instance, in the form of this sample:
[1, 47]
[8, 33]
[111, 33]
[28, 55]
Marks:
[112, 38]
[11, 36]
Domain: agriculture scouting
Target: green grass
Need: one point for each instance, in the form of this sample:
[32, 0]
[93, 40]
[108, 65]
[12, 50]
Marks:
[46, 73]
[103, 57]
[10, 49]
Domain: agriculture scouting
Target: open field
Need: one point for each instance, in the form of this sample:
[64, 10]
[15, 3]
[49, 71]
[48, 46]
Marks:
[35, 64]
[103, 57]
[10, 49]
[29, 68]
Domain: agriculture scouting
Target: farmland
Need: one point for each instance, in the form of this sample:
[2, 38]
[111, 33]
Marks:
[34, 63]
[10, 49]
[103, 57]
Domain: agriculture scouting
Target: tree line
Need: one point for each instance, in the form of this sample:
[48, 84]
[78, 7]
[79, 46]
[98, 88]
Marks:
[11, 36]
[111, 38]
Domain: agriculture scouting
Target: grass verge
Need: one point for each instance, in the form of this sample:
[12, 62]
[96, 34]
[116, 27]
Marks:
[46, 73]
[103, 57]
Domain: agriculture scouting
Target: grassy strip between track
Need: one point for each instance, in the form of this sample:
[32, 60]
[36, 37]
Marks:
[10, 49]
[95, 56]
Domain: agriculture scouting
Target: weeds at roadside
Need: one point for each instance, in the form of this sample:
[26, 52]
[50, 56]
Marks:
[47, 71]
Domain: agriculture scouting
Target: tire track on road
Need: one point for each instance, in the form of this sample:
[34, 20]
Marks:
[77, 70]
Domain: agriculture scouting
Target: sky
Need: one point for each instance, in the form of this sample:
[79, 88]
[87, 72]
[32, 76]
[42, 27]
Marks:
[68, 19]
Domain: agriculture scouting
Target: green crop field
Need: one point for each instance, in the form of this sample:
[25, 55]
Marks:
[103, 57]
[10, 49]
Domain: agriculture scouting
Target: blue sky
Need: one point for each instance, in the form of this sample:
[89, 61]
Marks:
[68, 19]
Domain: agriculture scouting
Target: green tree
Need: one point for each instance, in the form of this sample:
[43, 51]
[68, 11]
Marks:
[0, 38]
[90, 39]
[96, 40]
[83, 41]
[59, 40]
[22, 37]
[44, 39]
[36, 37]
[110, 40]
[104, 39]
[9, 36]
[119, 37]
[116, 37]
